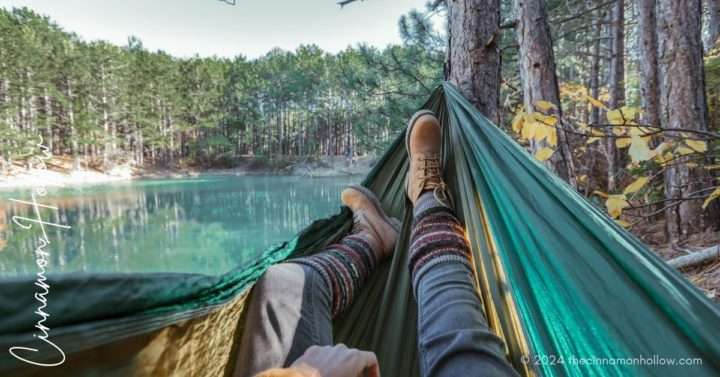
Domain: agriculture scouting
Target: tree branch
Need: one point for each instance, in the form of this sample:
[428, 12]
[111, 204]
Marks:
[696, 258]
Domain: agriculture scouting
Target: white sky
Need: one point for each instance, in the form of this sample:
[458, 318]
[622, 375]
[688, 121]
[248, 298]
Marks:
[211, 27]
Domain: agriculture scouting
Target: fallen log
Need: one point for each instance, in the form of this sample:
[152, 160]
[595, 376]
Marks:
[696, 258]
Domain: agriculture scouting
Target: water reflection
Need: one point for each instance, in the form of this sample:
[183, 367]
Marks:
[207, 225]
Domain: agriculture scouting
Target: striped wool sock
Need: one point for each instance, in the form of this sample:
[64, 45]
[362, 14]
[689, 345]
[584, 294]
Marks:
[437, 237]
[344, 267]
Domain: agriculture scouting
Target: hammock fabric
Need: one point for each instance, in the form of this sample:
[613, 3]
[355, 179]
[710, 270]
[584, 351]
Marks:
[561, 283]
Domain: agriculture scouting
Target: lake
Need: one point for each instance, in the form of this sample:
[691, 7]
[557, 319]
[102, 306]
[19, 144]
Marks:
[207, 224]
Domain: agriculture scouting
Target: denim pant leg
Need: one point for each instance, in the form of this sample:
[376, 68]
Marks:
[289, 312]
[453, 336]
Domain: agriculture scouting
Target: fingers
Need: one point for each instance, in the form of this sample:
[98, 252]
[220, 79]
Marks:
[339, 361]
[374, 371]
[370, 363]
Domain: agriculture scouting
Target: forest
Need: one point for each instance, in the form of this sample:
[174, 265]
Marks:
[106, 105]
[619, 98]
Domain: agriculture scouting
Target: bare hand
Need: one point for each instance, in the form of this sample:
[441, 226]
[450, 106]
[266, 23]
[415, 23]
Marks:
[337, 361]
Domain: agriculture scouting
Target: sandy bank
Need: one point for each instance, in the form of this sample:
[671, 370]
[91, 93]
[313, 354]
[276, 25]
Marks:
[59, 173]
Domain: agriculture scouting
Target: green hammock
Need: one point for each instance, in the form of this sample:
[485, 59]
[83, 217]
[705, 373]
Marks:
[562, 284]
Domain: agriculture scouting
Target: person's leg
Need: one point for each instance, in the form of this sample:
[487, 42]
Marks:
[453, 336]
[293, 303]
[289, 311]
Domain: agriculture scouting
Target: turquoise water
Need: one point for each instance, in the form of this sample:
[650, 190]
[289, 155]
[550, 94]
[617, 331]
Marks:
[208, 224]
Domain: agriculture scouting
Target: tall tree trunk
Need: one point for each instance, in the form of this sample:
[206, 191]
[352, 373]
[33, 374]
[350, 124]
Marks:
[683, 105]
[48, 120]
[106, 120]
[647, 33]
[713, 21]
[595, 67]
[617, 85]
[474, 55]
[539, 78]
[71, 122]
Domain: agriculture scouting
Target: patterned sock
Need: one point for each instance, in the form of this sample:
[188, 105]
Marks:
[437, 237]
[344, 267]
[426, 201]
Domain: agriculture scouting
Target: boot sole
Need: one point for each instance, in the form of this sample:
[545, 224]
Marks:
[410, 125]
[393, 222]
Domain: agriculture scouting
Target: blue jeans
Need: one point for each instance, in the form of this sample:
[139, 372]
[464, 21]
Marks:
[453, 336]
[290, 311]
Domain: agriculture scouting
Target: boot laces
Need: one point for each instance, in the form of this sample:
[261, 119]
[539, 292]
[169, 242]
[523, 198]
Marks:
[357, 226]
[431, 179]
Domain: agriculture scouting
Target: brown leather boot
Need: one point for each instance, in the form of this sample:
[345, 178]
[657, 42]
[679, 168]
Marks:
[423, 140]
[369, 218]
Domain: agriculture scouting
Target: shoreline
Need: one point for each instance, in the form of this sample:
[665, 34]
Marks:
[61, 175]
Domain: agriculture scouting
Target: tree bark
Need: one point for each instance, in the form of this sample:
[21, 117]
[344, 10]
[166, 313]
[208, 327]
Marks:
[713, 23]
[647, 33]
[106, 120]
[474, 55]
[594, 84]
[539, 77]
[699, 257]
[71, 123]
[48, 120]
[683, 105]
[617, 84]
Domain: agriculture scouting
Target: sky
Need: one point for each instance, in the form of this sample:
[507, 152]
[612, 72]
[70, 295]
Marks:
[211, 27]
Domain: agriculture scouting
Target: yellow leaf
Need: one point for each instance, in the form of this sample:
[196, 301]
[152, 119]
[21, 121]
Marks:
[544, 105]
[639, 150]
[549, 120]
[683, 151]
[544, 153]
[623, 142]
[529, 126]
[637, 131]
[551, 136]
[663, 158]
[540, 131]
[581, 125]
[623, 223]
[636, 186]
[595, 102]
[629, 112]
[592, 140]
[712, 167]
[714, 195]
[582, 178]
[601, 194]
[518, 121]
[615, 205]
[615, 117]
[529, 130]
[696, 145]
[619, 130]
